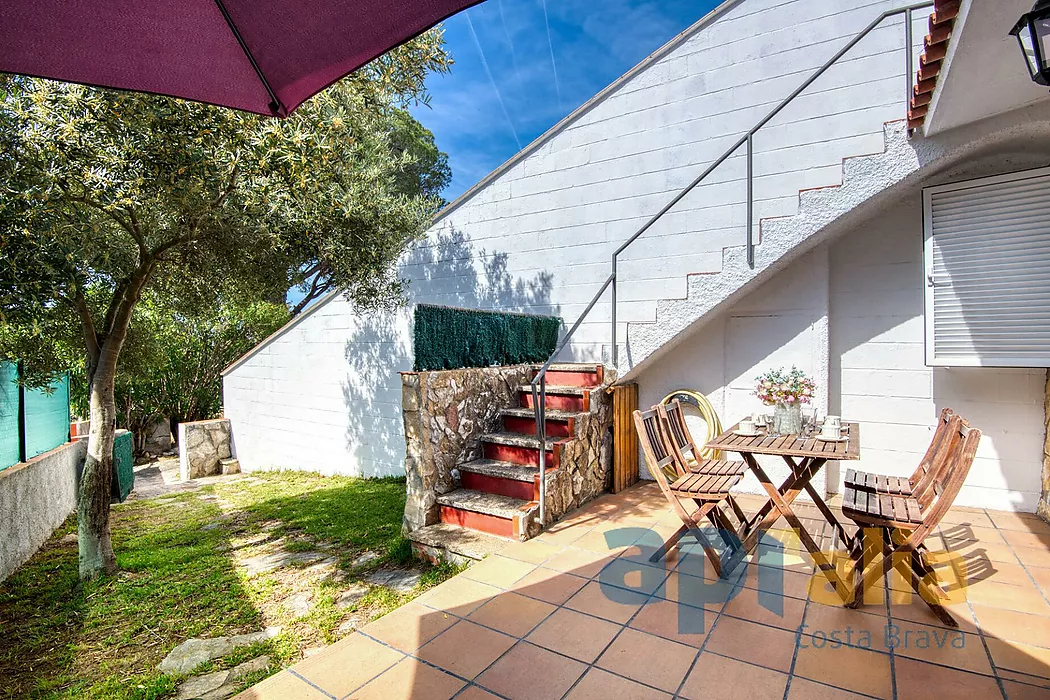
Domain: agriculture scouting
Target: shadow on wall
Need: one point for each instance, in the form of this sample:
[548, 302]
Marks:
[446, 270]
[876, 315]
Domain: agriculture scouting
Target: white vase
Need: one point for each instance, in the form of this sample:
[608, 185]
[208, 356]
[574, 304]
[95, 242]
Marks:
[787, 419]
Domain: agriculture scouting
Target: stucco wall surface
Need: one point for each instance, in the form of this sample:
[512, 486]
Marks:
[35, 498]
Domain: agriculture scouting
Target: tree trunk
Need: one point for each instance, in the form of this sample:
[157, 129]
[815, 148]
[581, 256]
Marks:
[96, 545]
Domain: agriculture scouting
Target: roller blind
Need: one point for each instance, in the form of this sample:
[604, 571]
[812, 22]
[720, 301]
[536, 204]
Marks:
[987, 261]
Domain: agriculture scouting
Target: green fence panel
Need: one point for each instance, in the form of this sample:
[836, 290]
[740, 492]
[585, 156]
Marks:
[451, 338]
[10, 407]
[123, 465]
[46, 417]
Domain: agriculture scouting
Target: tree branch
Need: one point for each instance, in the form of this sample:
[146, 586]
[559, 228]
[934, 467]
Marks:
[131, 227]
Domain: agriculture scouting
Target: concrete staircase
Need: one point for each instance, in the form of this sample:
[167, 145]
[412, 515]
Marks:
[778, 241]
[498, 495]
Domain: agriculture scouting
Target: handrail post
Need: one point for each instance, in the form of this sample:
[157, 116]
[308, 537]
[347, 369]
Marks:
[615, 350]
[908, 58]
[541, 433]
[750, 204]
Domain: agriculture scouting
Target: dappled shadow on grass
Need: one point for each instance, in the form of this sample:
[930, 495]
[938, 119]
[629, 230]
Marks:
[62, 638]
[180, 577]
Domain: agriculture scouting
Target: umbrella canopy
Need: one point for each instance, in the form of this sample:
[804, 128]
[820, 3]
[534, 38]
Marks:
[262, 56]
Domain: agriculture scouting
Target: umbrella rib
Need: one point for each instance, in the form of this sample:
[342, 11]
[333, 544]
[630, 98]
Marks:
[275, 103]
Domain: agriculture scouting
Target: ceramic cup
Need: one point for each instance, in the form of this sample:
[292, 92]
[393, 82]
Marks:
[747, 426]
[833, 421]
[830, 431]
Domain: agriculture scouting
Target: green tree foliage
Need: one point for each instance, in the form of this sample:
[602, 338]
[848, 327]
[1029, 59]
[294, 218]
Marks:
[107, 196]
[171, 365]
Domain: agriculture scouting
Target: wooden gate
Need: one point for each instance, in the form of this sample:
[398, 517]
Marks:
[625, 440]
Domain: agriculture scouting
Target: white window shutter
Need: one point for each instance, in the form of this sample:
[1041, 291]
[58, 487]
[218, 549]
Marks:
[987, 260]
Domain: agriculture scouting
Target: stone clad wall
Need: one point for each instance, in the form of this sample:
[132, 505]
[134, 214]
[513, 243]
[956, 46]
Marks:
[447, 412]
[445, 415]
[202, 444]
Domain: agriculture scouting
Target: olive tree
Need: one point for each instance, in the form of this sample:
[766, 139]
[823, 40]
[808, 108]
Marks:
[106, 196]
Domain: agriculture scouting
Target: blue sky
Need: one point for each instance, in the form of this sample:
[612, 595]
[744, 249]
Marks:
[521, 65]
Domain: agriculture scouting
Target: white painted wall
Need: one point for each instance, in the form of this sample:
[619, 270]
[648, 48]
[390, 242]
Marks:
[538, 238]
[324, 396]
[851, 312]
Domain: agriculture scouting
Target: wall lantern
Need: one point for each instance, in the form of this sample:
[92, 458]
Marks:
[1033, 34]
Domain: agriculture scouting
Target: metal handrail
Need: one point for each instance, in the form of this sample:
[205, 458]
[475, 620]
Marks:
[539, 382]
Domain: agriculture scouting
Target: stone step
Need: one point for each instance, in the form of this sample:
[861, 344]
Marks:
[232, 465]
[531, 442]
[559, 398]
[455, 544]
[572, 374]
[523, 420]
[491, 513]
[485, 503]
[500, 470]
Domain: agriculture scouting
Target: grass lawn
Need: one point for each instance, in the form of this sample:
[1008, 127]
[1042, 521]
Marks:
[180, 577]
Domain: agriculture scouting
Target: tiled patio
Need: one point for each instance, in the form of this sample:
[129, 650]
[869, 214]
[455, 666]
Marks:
[534, 622]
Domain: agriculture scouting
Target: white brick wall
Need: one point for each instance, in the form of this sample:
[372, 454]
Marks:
[538, 238]
[870, 292]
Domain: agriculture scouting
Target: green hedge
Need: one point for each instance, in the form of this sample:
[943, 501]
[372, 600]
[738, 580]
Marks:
[451, 338]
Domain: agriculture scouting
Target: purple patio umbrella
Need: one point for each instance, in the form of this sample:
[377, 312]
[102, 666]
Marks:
[262, 56]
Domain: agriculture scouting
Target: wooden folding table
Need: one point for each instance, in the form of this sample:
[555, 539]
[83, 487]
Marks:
[805, 455]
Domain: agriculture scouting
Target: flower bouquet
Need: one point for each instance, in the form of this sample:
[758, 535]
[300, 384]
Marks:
[786, 392]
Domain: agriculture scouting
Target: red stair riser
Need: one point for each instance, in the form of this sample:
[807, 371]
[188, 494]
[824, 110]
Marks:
[525, 490]
[477, 521]
[567, 378]
[519, 455]
[556, 402]
[527, 426]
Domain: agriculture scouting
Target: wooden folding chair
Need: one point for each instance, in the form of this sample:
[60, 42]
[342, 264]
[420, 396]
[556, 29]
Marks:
[904, 522]
[920, 479]
[707, 488]
[687, 453]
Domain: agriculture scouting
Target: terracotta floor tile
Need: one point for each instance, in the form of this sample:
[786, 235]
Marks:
[921, 681]
[802, 689]
[954, 517]
[1023, 691]
[1024, 658]
[607, 602]
[632, 575]
[410, 679]
[865, 628]
[990, 551]
[972, 574]
[459, 596]
[960, 535]
[283, 686]
[1013, 626]
[534, 551]
[1033, 556]
[611, 541]
[409, 627]
[716, 676]
[1023, 522]
[564, 536]
[551, 586]
[574, 634]
[852, 668]
[754, 643]
[710, 594]
[767, 608]
[512, 613]
[475, 693]
[597, 684]
[1041, 576]
[1023, 598]
[579, 562]
[915, 609]
[650, 660]
[528, 672]
[939, 645]
[347, 665]
[778, 580]
[679, 623]
[466, 649]
[498, 571]
[1023, 678]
